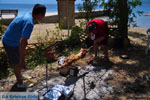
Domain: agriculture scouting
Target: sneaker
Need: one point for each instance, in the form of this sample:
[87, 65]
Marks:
[23, 85]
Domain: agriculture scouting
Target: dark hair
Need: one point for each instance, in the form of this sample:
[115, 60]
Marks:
[38, 9]
[91, 27]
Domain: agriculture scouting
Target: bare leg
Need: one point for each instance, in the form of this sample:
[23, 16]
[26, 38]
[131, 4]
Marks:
[105, 48]
[95, 54]
[17, 71]
[95, 49]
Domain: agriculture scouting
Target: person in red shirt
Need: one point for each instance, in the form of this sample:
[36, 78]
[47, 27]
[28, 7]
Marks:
[98, 35]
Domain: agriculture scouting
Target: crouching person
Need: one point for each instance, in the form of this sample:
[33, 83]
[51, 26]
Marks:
[98, 35]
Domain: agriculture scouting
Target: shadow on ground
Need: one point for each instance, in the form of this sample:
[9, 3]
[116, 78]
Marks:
[16, 89]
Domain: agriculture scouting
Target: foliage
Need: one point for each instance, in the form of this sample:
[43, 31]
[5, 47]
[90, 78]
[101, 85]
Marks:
[3, 64]
[77, 36]
[132, 5]
[114, 9]
[88, 6]
[1, 30]
[121, 13]
[3, 58]
[57, 34]
[75, 39]
[36, 55]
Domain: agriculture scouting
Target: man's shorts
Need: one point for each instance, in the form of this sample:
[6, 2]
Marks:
[12, 54]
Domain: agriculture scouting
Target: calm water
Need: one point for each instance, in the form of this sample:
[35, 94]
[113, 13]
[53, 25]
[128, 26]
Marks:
[142, 21]
[22, 8]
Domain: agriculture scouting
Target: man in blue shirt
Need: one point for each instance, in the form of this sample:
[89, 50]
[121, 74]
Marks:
[16, 36]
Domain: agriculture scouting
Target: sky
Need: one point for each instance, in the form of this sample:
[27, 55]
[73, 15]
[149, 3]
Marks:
[32, 1]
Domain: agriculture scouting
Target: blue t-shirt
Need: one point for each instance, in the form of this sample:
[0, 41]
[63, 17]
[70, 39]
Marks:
[21, 26]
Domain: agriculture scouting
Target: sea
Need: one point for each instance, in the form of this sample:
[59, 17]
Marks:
[141, 21]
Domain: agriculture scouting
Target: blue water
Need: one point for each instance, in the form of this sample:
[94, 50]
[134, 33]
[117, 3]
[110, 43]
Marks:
[142, 21]
[22, 8]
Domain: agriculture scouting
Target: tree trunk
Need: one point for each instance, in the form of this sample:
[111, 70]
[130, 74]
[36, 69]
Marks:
[123, 15]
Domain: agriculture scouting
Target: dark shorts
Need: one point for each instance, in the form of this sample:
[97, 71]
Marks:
[12, 54]
[90, 42]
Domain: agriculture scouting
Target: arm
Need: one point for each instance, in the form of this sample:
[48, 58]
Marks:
[95, 45]
[22, 47]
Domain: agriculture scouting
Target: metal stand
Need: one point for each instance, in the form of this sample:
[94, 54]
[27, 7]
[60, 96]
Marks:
[46, 74]
[84, 89]
[83, 77]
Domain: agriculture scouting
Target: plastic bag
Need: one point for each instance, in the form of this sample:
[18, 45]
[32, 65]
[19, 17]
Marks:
[58, 90]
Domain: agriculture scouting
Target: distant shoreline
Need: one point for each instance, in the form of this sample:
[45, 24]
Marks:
[51, 17]
[13, 16]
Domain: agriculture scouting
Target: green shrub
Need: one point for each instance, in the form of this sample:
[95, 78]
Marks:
[3, 64]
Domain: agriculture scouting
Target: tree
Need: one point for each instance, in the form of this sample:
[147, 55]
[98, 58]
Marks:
[88, 6]
[121, 13]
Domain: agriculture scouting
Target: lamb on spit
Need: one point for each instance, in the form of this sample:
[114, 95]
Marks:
[63, 62]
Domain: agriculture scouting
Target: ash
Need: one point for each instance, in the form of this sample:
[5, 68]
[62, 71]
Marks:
[92, 83]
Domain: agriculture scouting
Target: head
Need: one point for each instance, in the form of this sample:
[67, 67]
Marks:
[91, 27]
[38, 12]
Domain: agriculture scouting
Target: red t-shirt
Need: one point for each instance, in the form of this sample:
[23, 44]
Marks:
[101, 27]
